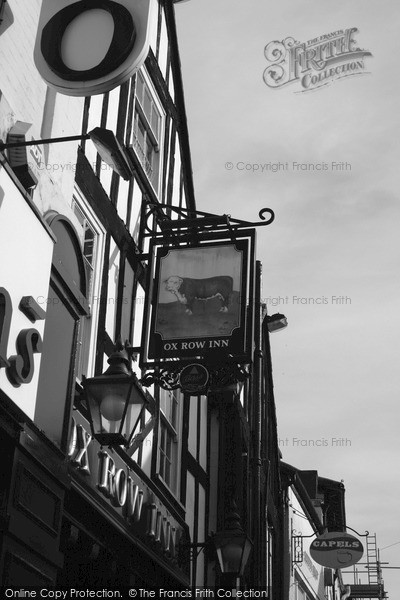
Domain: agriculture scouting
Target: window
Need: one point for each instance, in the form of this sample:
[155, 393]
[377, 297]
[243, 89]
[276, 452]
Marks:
[66, 305]
[147, 131]
[90, 236]
[168, 437]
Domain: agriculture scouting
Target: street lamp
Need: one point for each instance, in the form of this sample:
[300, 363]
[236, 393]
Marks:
[115, 400]
[276, 322]
[105, 141]
[233, 545]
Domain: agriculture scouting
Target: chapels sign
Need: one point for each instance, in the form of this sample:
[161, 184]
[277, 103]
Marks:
[336, 549]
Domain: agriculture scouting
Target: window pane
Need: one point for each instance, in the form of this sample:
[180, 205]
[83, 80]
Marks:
[88, 244]
[126, 317]
[149, 152]
[155, 121]
[167, 476]
[146, 132]
[66, 253]
[139, 88]
[147, 104]
[141, 132]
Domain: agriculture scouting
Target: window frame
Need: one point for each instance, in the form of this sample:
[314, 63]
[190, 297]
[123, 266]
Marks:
[173, 432]
[87, 333]
[73, 298]
[156, 137]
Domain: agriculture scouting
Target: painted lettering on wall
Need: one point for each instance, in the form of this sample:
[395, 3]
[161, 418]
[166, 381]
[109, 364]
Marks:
[124, 490]
[19, 367]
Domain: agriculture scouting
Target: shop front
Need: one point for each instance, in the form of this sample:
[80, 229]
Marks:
[75, 514]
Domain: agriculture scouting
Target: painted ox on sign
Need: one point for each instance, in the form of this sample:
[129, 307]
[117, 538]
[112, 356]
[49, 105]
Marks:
[188, 290]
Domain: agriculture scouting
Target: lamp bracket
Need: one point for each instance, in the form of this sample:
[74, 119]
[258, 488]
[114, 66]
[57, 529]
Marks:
[194, 550]
[191, 222]
[25, 143]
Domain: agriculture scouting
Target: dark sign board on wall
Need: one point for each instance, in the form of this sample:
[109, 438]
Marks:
[200, 301]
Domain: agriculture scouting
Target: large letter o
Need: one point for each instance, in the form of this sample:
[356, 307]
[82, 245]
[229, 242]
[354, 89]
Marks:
[121, 44]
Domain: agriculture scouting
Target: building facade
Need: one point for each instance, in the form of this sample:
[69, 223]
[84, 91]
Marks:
[313, 505]
[75, 286]
[73, 281]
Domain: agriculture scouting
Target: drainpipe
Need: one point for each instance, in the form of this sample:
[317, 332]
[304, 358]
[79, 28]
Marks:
[259, 524]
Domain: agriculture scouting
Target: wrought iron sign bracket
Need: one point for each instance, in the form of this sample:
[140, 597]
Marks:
[297, 547]
[191, 222]
[366, 534]
[221, 375]
[303, 536]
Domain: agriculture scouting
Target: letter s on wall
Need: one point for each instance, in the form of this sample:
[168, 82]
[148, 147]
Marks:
[5, 324]
[21, 369]
[121, 44]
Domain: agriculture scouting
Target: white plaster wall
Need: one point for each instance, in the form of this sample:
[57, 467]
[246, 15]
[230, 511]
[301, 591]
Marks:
[312, 577]
[26, 250]
[24, 95]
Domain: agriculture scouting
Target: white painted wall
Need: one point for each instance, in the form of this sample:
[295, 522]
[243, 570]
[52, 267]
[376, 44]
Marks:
[26, 250]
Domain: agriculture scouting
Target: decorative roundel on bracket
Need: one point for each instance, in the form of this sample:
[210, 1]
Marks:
[121, 45]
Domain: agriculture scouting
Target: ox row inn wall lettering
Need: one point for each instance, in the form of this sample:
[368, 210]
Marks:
[92, 46]
[199, 300]
[129, 497]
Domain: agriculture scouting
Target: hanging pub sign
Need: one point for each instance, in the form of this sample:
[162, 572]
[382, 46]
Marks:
[199, 301]
[92, 46]
[336, 549]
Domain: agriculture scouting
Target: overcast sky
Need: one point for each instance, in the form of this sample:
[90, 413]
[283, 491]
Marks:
[331, 257]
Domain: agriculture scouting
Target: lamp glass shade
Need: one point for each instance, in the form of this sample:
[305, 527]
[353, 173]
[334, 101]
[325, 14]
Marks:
[115, 406]
[276, 322]
[111, 151]
[233, 551]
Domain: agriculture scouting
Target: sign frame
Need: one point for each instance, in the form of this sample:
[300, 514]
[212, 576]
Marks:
[330, 550]
[164, 346]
